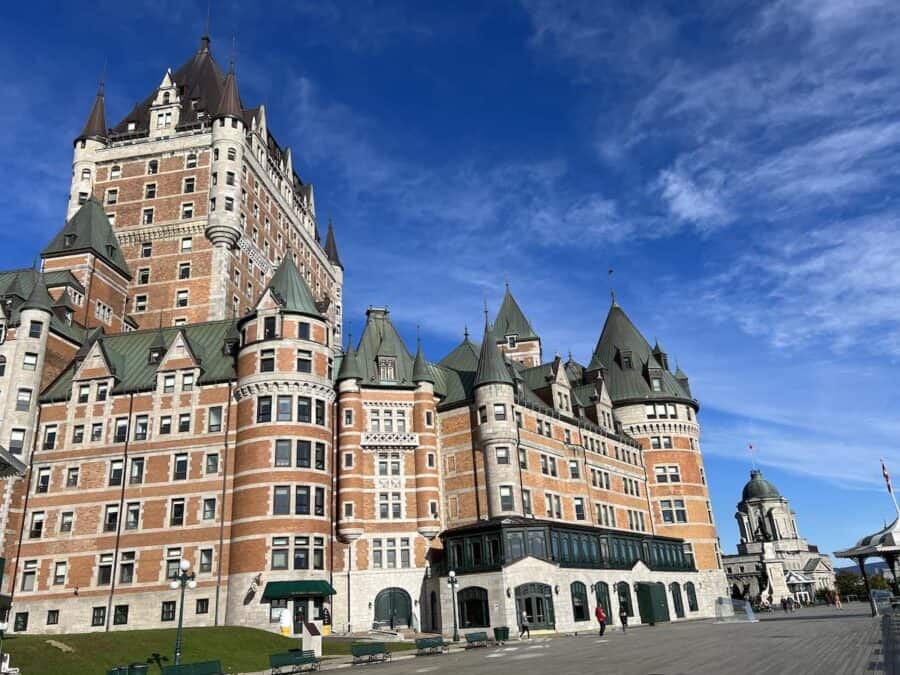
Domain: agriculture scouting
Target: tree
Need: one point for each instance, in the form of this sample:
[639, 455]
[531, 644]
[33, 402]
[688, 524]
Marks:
[849, 584]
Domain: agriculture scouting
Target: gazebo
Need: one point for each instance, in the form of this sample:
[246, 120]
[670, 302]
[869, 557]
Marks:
[884, 544]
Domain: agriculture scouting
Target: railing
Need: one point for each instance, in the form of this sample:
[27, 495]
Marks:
[389, 439]
[890, 642]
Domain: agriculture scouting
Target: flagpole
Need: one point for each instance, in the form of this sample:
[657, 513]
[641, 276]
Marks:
[890, 487]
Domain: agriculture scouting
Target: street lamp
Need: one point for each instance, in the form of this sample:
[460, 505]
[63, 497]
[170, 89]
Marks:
[452, 581]
[181, 579]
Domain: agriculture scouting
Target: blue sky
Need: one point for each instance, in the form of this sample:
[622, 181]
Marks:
[736, 165]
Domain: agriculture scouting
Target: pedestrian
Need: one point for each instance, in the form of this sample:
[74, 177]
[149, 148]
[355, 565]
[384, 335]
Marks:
[837, 601]
[623, 617]
[784, 605]
[601, 619]
[525, 628]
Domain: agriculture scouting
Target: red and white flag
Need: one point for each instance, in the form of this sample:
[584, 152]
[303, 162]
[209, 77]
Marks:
[887, 477]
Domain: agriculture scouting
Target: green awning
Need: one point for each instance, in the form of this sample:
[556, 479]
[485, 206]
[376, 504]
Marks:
[278, 590]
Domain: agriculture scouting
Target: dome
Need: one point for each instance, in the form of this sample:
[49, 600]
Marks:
[759, 488]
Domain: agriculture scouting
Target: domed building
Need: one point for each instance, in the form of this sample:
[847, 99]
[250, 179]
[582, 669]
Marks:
[773, 561]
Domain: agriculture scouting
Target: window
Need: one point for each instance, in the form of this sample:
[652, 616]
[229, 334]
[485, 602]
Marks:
[141, 426]
[84, 393]
[389, 505]
[111, 518]
[320, 416]
[102, 391]
[387, 368]
[499, 411]
[132, 515]
[115, 171]
[320, 456]
[668, 474]
[180, 470]
[116, 467]
[606, 515]
[184, 270]
[232, 153]
[35, 328]
[579, 601]
[150, 191]
[52, 617]
[429, 418]
[511, 341]
[98, 616]
[23, 400]
[168, 384]
[190, 162]
[267, 361]
[146, 252]
[190, 185]
[120, 615]
[206, 561]
[72, 476]
[65, 521]
[173, 562]
[691, 593]
[184, 422]
[181, 298]
[187, 382]
[579, 508]
[482, 414]
[96, 432]
[126, 567]
[2, 361]
[152, 167]
[187, 211]
[506, 498]
[147, 216]
[168, 610]
[284, 408]
[176, 513]
[104, 569]
[280, 554]
[212, 464]
[214, 421]
[304, 411]
[574, 471]
[526, 502]
[49, 437]
[303, 330]
[281, 501]
[264, 409]
[202, 606]
[29, 362]
[187, 244]
[502, 455]
[304, 361]
[16, 441]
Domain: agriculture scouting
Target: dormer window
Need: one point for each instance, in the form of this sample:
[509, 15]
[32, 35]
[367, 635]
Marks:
[69, 241]
[167, 97]
[656, 383]
[132, 126]
[155, 356]
[511, 341]
[627, 361]
[387, 368]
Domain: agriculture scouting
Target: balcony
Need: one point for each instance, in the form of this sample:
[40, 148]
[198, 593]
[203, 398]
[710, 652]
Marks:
[389, 439]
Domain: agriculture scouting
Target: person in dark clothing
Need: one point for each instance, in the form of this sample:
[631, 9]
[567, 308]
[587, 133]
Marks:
[601, 619]
[525, 628]
[623, 617]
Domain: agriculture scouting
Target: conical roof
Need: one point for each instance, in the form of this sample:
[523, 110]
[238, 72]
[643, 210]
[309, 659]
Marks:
[491, 365]
[331, 247]
[89, 230]
[230, 101]
[421, 370]
[39, 298]
[759, 488]
[349, 369]
[291, 291]
[95, 126]
[511, 320]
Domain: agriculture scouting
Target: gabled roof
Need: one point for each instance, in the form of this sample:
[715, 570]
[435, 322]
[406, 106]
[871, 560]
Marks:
[511, 320]
[95, 126]
[127, 354]
[619, 336]
[380, 339]
[89, 231]
[492, 367]
[331, 247]
[291, 291]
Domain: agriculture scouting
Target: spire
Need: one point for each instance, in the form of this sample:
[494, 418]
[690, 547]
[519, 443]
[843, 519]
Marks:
[291, 291]
[349, 369]
[511, 319]
[230, 103]
[95, 126]
[39, 298]
[491, 366]
[421, 370]
[682, 379]
[331, 247]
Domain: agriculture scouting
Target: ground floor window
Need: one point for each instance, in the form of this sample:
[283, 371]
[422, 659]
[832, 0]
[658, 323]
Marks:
[579, 601]
[168, 610]
[120, 615]
[275, 609]
[21, 622]
[98, 616]
[52, 617]
[691, 596]
[473, 608]
[202, 605]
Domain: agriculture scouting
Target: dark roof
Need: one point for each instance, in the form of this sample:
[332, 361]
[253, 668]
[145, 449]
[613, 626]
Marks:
[618, 337]
[331, 247]
[95, 126]
[89, 230]
[18, 286]
[58, 278]
[511, 320]
[291, 291]
[464, 356]
[421, 369]
[349, 369]
[380, 339]
[127, 354]
[492, 368]
[759, 488]
[230, 102]
[39, 298]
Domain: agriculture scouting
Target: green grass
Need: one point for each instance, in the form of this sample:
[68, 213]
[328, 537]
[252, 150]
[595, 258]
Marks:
[241, 650]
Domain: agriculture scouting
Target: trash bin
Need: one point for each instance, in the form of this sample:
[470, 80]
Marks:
[138, 669]
[501, 634]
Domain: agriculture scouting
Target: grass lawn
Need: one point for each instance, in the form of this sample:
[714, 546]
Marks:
[241, 650]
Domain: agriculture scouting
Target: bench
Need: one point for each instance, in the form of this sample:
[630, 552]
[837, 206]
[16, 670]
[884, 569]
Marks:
[430, 645]
[366, 652]
[199, 668]
[479, 639]
[293, 662]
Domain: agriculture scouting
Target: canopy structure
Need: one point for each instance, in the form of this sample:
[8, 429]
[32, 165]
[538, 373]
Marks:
[884, 544]
[279, 590]
[9, 465]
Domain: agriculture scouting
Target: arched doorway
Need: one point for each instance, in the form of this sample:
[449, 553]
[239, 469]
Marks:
[677, 600]
[473, 608]
[580, 610]
[536, 600]
[601, 590]
[393, 609]
[623, 590]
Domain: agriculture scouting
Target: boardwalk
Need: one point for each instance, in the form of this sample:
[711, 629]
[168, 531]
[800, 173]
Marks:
[808, 641]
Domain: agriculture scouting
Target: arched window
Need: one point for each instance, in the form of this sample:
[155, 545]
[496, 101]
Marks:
[152, 167]
[166, 97]
[85, 174]
[115, 171]
[601, 590]
[191, 161]
[2, 366]
[473, 607]
[623, 590]
[691, 596]
[677, 600]
[579, 601]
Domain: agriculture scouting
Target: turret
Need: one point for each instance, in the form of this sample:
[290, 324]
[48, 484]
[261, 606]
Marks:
[331, 251]
[93, 137]
[496, 429]
[425, 424]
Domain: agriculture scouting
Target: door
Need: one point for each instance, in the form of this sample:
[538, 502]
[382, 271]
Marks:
[677, 601]
[652, 602]
[393, 608]
[601, 589]
[433, 608]
[301, 614]
[536, 600]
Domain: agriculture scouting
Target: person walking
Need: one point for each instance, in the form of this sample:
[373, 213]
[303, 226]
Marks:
[837, 601]
[601, 619]
[623, 617]
[524, 626]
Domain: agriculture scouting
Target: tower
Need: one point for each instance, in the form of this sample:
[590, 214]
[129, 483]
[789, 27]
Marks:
[513, 333]
[93, 137]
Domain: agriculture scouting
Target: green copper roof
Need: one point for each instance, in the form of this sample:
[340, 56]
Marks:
[89, 230]
[39, 298]
[349, 369]
[491, 365]
[464, 356]
[759, 488]
[127, 354]
[421, 370]
[511, 320]
[381, 343]
[19, 287]
[291, 290]
[619, 338]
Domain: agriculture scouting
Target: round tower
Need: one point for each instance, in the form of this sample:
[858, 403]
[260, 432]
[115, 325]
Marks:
[496, 430]
[351, 423]
[424, 423]
[93, 137]
[281, 520]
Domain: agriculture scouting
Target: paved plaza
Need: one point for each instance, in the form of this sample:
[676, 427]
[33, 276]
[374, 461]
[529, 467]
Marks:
[818, 640]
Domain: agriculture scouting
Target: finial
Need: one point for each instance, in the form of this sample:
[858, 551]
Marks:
[102, 79]
[350, 333]
[612, 291]
[418, 336]
[465, 331]
[485, 314]
[570, 355]
[753, 452]
[208, 14]
[231, 56]
[506, 280]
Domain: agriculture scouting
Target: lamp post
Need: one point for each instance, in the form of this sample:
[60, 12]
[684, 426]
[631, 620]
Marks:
[452, 581]
[181, 579]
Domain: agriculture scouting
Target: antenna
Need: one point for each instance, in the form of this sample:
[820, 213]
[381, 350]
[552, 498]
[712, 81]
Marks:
[208, 14]
[753, 451]
[233, 48]
[612, 290]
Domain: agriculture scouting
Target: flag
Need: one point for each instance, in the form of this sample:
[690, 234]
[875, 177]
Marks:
[887, 477]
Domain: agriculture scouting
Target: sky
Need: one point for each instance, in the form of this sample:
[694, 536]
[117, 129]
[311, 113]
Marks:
[734, 163]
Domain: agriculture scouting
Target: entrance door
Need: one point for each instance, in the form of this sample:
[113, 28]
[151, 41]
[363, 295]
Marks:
[301, 614]
[601, 589]
[677, 600]
[393, 608]
[536, 600]
[652, 602]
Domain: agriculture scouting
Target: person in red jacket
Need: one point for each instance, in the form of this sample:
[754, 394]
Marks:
[601, 619]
